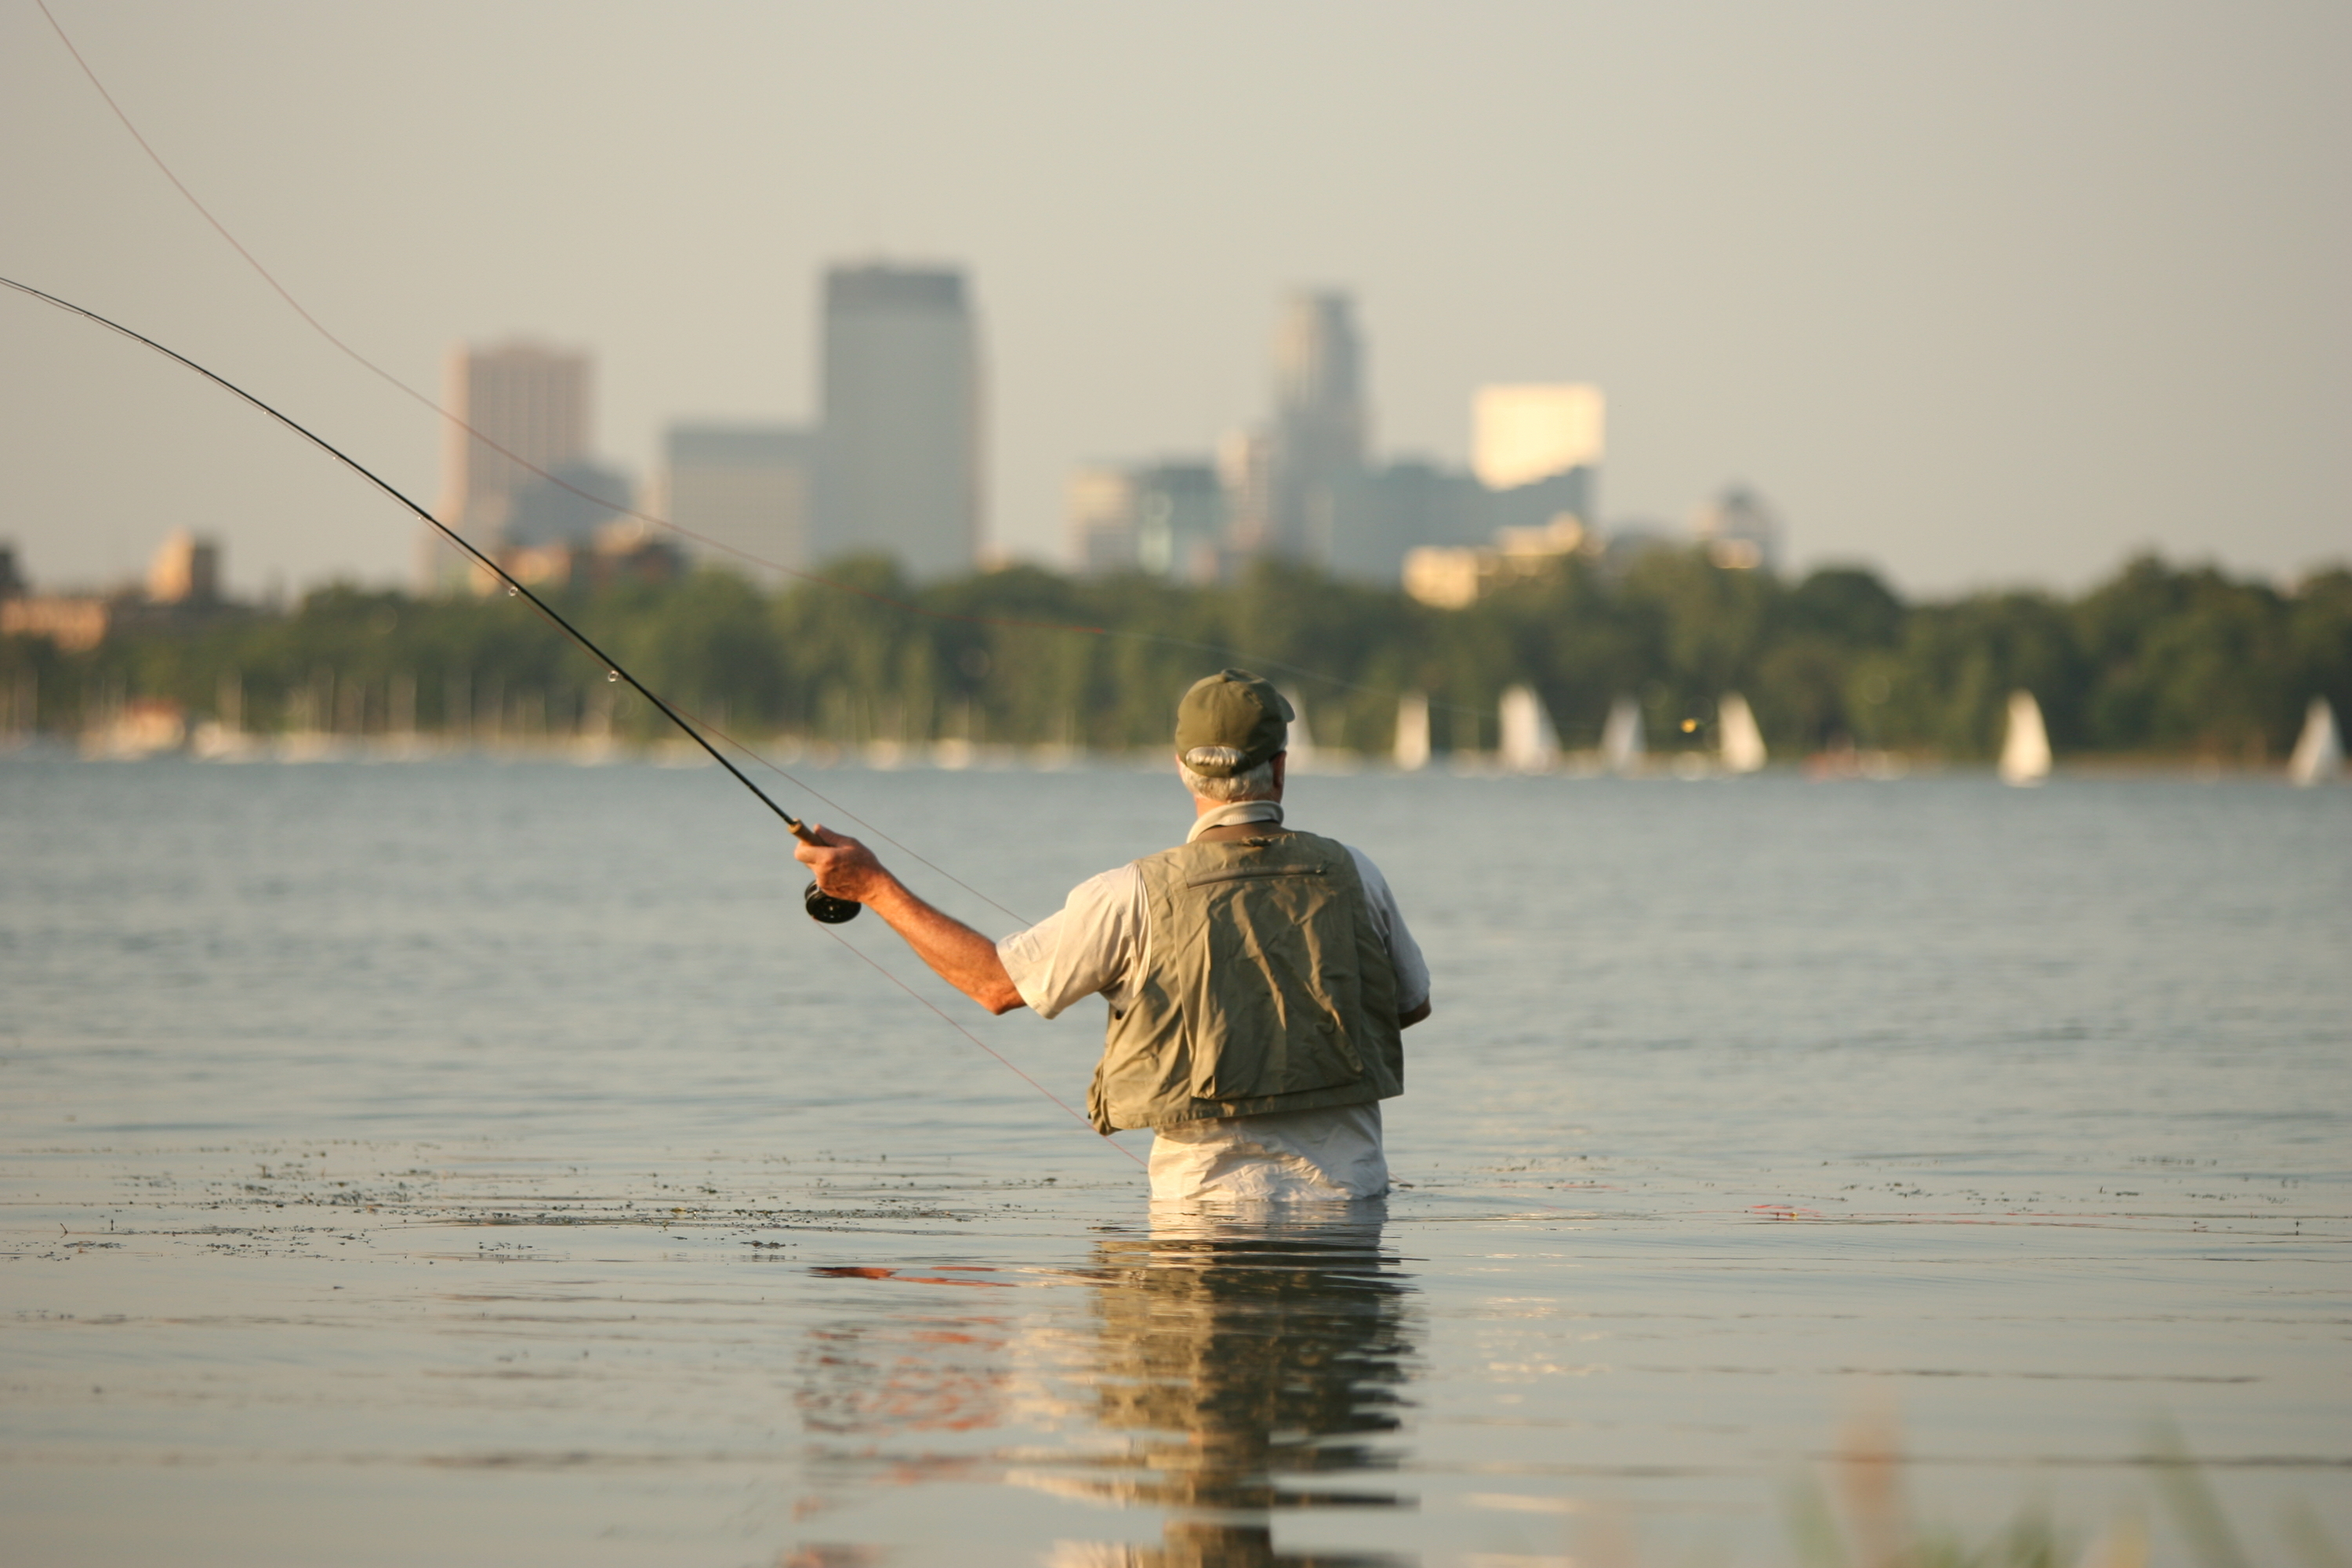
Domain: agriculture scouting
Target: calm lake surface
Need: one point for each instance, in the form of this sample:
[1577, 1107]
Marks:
[478, 1163]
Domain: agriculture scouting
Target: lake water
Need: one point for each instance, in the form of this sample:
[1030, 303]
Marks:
[478, 1164]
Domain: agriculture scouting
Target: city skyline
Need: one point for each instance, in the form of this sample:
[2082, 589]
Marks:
[1983, 297]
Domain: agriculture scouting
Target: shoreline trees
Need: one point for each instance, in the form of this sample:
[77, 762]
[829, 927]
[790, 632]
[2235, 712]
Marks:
[2158, 660]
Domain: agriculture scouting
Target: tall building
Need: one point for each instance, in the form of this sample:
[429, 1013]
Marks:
[901, 470]
[526, 397]
[1179, 520]
[1402, 507]
[747, 486]
[571, 506]
[186, 570]
[1537, 450]
[1100, 505]
[1321, 426]
[1165, 519]
[1522, 434]
[1739, 531]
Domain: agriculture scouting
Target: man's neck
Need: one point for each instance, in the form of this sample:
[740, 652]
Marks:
[1228, 812]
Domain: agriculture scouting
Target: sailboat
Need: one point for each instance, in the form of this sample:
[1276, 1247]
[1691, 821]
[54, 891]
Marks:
[2025, 751]
[1302, 740]
[1531, 745]
[1741, 742]
[1621, 737]
[2319, 749]
[1413, 731]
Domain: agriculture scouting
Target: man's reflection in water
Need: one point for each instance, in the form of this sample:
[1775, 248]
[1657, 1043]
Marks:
[1257, 1360]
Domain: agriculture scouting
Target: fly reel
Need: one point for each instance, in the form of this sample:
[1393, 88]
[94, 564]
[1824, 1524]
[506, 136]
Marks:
[822, 906]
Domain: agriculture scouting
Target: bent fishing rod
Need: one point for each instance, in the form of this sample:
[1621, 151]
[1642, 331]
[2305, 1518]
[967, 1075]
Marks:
[821, 906]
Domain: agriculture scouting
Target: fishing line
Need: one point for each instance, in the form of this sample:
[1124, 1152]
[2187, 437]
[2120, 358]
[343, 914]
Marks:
[514, 587]
[807, 788]
[404, 389]
[662, 522]
[828, 910]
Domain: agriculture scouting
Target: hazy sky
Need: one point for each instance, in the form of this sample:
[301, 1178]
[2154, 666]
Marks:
[1974, 293]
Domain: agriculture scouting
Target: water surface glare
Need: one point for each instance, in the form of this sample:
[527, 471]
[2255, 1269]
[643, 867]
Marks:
[476, 1163]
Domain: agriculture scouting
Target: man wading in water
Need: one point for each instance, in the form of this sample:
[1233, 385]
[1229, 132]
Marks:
[1259, 978]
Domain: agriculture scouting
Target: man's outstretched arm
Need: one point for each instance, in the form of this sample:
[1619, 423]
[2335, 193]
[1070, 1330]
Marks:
[960, 956]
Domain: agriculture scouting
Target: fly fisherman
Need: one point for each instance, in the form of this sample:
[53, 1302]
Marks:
[1259, 978]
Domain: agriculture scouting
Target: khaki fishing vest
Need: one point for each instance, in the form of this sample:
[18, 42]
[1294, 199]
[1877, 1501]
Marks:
[1265, 988]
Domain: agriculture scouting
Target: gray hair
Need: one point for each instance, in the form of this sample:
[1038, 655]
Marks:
[1256, 784]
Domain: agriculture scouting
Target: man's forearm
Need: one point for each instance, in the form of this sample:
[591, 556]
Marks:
[959, 954]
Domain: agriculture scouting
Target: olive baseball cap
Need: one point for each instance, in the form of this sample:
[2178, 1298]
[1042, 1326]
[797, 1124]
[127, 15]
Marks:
[1233, 707]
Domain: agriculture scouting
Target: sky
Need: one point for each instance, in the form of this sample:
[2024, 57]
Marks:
[1974, 295]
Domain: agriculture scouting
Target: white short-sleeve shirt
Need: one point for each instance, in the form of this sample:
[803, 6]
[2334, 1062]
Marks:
[1097, 944]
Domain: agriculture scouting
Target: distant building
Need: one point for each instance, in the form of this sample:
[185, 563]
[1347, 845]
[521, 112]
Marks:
[1630, 539]
[1523, 433]
[186, 570]
[748, 487]
[1738, 530]
[1322, 427]
[628, 551]
[1402, 507]
[1451, 577]
[75, 624]
[1245, 475]
[182, 592]
[1100, 505]
[1179, 520]
[577, 501]
[1533, 484]
[1165, 519]
[526, 398]
[901, 464]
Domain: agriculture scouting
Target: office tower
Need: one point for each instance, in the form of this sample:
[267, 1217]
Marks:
[526, 398]
[1100, 505]
[1523, 433]
[1402, 509]
[1164, 519]
[571, 506]
[901, 466]
[186, 570]
[1739, 531]
[1321, 426]
[1179, 520]
[1537, 450]
[749, 488]
[1246, 470]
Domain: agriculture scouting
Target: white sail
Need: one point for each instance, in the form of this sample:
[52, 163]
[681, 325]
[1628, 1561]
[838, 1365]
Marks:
[1531, 745]
[1736, 734]
[1302, 738]
[1413, 731]
[2025, 750]
[2319, 749]
[1621, 737]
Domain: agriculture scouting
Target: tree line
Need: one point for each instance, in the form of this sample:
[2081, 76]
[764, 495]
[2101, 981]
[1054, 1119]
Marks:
[2159, 659]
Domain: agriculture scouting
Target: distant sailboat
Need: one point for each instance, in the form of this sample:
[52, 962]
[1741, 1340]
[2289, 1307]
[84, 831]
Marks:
[1531, 745]
[1413, 731]
[1742, 742]
[2025, 751]
[1302, 740]
[2319, 751]
[1621, 737]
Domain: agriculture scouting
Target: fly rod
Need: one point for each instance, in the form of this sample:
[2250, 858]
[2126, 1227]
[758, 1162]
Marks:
[821, 906]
